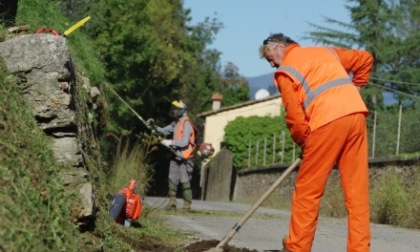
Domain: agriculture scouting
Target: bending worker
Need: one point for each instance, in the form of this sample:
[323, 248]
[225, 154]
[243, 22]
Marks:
[182, 164]
[326, 117]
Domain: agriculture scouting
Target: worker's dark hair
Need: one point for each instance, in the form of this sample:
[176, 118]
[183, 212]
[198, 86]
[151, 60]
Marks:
[280, 38]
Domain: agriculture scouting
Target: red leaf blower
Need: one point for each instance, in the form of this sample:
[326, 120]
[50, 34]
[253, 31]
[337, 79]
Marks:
[126, 206]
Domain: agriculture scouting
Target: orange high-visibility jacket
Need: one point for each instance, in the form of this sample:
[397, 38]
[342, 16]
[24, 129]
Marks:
[316, 88]
[187, 151]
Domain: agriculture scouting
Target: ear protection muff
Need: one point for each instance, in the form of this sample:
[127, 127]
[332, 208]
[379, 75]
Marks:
[180, 112]
[181, 107]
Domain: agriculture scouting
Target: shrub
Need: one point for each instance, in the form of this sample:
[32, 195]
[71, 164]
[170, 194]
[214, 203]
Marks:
[390, 200]
[243, 134]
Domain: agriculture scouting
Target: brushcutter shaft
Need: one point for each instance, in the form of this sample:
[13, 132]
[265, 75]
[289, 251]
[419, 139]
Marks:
[130, 108]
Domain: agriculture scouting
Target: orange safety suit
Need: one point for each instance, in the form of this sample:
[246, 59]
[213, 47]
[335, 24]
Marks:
[326, 117]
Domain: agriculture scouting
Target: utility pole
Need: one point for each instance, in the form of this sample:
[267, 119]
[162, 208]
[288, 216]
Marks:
[399, 130]
[283, 134]
[249, 154]
[374, 134]
[274, 148]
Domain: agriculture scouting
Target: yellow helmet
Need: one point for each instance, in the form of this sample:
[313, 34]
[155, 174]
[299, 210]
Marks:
[178, 109]
[179, 104]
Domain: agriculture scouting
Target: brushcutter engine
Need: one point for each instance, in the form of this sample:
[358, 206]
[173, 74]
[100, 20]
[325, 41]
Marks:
[205, 150]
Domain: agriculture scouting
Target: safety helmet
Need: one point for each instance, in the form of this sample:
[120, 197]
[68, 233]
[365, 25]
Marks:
[178, 108]
[179, 104]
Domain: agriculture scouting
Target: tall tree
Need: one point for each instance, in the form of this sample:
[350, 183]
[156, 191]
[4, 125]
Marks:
[402, 57]
[153, 56]
[388, 29]
[234, 87]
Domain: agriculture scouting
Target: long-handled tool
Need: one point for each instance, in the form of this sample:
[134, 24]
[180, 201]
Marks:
[241, 222]
[151, 128]
[130, 108]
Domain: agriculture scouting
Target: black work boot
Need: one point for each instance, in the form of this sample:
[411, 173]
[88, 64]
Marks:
[187, 196]
[284, 249]
[172, 194]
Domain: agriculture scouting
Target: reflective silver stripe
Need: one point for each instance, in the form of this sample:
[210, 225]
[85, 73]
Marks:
[298, 76]
[311, 95]
[333, 53]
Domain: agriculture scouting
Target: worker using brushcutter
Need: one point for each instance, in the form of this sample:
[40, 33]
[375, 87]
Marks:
[326, 118]
[183, 145]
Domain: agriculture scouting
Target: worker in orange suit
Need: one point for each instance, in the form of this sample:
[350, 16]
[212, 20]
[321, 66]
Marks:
[326, 116]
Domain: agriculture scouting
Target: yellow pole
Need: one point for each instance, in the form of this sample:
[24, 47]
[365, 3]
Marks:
[76, 26]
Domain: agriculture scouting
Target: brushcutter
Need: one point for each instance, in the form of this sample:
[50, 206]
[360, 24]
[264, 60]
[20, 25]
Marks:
[203, 150]
[131, 109]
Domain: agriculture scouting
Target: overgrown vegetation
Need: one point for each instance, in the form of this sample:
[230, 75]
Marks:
[130, 162]
[394, 194]
[395, 197]
[34, 212]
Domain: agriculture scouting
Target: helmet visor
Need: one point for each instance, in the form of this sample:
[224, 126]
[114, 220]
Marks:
[174, 111]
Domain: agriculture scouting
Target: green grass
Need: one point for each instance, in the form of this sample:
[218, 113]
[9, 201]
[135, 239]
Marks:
[394, 194]
[33, 212]
[129, 163]
[395, 198]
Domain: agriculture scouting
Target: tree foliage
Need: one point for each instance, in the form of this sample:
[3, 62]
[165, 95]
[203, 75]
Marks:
[389, 29]
[153, 56]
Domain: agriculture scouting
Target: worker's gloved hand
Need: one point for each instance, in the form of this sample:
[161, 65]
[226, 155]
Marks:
[151, 125]
[166, 142]
[150, 122]
[301, 154]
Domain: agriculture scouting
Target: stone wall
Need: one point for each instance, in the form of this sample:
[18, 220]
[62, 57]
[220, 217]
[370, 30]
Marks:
[222, 183]
[252, 183]
[42, 66]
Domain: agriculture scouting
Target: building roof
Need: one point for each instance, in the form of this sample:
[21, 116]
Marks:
[236, 106]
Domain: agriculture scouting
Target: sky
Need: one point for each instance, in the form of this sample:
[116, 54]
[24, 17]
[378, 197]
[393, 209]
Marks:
[248, 22]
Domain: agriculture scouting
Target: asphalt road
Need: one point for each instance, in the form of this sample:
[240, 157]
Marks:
[265, 229]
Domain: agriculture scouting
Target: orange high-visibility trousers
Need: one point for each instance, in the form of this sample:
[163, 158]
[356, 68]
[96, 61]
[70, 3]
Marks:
[342, 142]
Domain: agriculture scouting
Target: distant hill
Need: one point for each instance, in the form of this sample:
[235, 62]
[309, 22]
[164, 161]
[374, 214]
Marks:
[264, 81]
